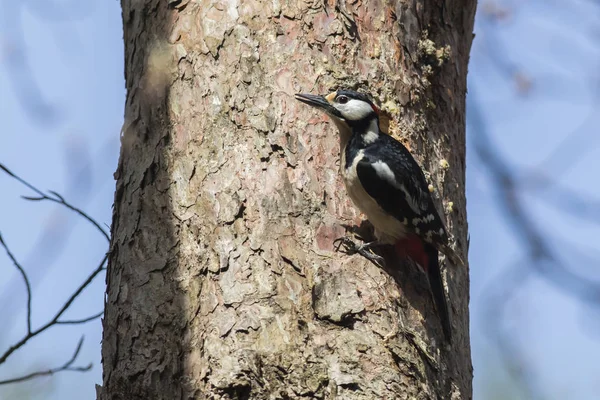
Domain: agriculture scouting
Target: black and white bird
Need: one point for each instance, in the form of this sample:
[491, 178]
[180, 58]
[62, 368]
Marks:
[385, 182]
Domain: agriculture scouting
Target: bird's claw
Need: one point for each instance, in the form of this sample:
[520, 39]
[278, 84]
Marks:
[364, 249]
[349, 245]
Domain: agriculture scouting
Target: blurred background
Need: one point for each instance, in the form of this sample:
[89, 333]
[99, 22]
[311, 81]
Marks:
[533, 160]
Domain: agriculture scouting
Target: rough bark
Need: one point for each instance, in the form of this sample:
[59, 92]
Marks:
[222, 281]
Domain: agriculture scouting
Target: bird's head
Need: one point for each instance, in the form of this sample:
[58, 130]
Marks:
[345, 107]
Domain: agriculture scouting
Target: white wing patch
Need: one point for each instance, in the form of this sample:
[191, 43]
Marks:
[384, 172]
[355, 110]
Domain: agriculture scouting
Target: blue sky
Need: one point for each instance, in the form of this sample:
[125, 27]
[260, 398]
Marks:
[73, 149]
[556, 48]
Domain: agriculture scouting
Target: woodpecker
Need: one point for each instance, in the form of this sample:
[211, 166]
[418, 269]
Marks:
[386, 183]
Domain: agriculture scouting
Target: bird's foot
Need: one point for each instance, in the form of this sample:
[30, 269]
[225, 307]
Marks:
[350, 247]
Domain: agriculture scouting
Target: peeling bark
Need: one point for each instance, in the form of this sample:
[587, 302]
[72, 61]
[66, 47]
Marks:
[222, 281]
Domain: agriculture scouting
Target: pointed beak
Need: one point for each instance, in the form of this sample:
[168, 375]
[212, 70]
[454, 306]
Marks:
[318, 102]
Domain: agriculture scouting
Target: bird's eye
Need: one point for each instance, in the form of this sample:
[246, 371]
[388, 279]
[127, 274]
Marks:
[342, 99]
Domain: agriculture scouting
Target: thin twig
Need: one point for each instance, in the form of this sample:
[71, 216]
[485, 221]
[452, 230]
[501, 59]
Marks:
[60, 312]
[56, 198]
[59, 199]
[65, 367]
[25, 279]
[80, 321]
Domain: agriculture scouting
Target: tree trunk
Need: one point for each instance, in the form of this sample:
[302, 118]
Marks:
[223, 281]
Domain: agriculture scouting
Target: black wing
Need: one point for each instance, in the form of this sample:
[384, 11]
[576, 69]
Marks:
[390, 174]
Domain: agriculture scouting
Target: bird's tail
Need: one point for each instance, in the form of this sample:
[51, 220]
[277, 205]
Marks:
[426, 255]
[437, 289]
[452, 256]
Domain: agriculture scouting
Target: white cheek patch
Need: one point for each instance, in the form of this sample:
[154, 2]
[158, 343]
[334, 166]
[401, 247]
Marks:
[355, 110]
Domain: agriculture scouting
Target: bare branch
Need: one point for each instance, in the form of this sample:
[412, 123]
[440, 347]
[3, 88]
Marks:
[56, 198]
[65, 367]
[31, 198]
[25, 279]
[59, 199]
[60, 312]
[80, 321]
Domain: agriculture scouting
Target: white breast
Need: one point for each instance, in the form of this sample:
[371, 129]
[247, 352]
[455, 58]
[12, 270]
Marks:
[387, 228]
